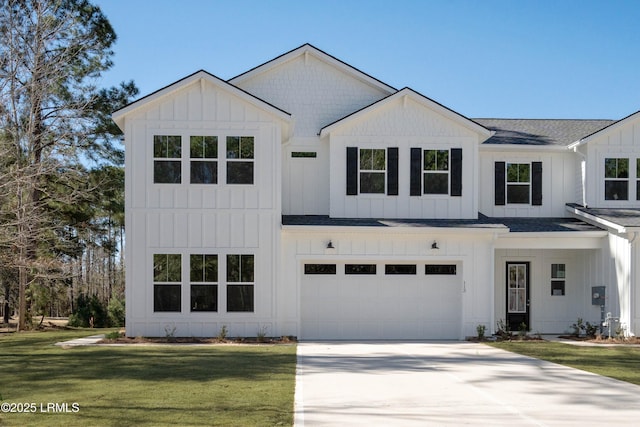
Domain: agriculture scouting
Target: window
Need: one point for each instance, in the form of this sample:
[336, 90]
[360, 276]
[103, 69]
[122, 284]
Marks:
[435, 172]
[204, 282]
[616, 179]
[319, 269]
[400, 269]
[557, 279]
[204, 155]
[360, 269]
[167, 278]
[167, 154]
[240, 154]
[440, 269]
[518, 182]
[240, 278]
[372, 170]
[304, 154]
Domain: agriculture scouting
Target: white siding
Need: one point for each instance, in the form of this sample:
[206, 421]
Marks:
[558, 182]
[405, 124]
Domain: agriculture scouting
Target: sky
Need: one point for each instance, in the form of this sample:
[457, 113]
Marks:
[574, 59]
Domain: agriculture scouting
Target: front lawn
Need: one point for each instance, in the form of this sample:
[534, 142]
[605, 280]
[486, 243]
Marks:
[226, 385]
[616, 362]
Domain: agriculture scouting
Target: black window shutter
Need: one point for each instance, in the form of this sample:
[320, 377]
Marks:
[392, 171]
[500, 183]
[536, 183]
[456, 171]
[352, 171]
[415, 182]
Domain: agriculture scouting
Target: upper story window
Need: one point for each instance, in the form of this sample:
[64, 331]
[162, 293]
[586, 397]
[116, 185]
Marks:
[373, 170]
[436, 172]
[167, 154]
[240, 155]
[616, 179]
[204, 159]
[518, 182]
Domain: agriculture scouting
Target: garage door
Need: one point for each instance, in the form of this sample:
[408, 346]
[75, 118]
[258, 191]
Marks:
[381, 301]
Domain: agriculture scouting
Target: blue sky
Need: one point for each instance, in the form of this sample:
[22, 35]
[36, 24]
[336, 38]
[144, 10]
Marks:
[484, 58]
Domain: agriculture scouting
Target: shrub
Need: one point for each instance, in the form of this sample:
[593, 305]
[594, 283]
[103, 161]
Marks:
[222, 334]
[481, 329]
[116, 311]
[86, 309]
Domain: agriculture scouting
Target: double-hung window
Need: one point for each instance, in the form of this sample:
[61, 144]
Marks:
[558, 275]
[240, 155]
[616, 179]
[204, 159]
[435, 172]
[167, 159]
[518, 183]
[204, 282]
[373, 170]
[167, 282]
[240, 283]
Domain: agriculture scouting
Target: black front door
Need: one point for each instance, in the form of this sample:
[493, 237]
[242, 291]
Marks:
[518, 295]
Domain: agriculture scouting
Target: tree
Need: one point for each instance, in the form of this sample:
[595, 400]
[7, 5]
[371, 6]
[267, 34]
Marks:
[53, 119]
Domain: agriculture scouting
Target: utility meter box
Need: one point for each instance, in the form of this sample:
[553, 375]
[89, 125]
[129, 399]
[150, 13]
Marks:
[597, 295]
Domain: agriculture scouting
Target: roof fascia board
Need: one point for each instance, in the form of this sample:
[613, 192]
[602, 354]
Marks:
[307, 49]
[522, 147]
[419, 98]
[610, 128]
[119, 115]
[302, 229]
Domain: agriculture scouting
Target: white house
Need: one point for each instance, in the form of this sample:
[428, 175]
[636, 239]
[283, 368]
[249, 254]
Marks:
[307, 198]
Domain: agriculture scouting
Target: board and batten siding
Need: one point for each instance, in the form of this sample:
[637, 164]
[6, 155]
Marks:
[558, 182]
[190, 219]
[403, 124]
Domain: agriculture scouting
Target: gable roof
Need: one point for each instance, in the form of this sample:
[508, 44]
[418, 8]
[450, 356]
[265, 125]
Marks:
[418, 97]
[308, 49]
[119, 115]
[549, 132]
[611, 127]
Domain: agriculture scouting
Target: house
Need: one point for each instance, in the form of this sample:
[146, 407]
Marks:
[305, 197]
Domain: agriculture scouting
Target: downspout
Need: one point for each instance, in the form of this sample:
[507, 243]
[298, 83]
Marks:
[634, 282]
[492, 275]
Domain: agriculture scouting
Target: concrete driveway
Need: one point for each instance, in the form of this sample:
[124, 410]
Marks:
[451, 383]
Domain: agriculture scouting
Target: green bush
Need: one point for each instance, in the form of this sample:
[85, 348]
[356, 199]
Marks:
[116, 312]
[86, 308]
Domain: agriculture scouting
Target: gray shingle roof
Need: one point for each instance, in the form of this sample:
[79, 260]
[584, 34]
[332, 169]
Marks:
[620, 216]
[540, 131]
[516, 225]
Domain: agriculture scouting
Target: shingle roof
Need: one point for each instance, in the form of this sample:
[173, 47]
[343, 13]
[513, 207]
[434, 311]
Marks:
[621, 216]
[540, 131]
[516, 225]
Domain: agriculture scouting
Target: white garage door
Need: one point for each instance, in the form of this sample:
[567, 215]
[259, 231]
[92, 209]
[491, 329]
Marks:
[381, 301]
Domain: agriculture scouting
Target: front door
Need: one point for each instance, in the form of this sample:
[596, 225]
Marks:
[518, 295]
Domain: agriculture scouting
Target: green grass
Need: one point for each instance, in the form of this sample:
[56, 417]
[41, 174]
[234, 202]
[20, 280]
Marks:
[227, 385]
[616, 362]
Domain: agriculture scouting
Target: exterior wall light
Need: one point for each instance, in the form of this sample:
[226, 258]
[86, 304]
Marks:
[434, 245]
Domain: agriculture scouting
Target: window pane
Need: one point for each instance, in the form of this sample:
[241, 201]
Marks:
[246, 268]
[304, 154]
[372, 182]
[436, 183]
[623, 168]
[319, 269]
[360, 269]
[210, 147]
[246, 147]
[204, 172]
[167, 172]
[616, 190]
[239, 172]
[440, 269]
[557, 287]
[159, 146]
[196, 147]
[174, 147]
[518, 172]
[517, 194]
[204, 268]
[233, 268]
[400, 269]
[430, 160]
[443, 160]
[233, 147]
[166, 298]
[204, 298]
[239, 298]
[366, 159]
[379, 160]
[436, 160]
[557, 271]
